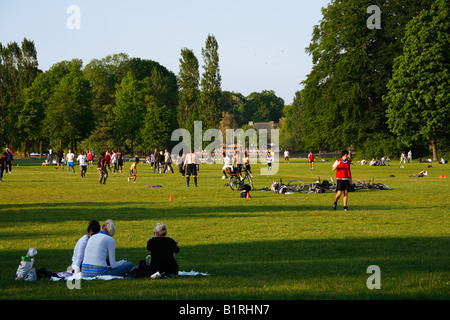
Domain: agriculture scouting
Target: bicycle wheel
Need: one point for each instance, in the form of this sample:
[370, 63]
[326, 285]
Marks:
[233, 182]
[250, 181]
[296, 185]
[383, 186]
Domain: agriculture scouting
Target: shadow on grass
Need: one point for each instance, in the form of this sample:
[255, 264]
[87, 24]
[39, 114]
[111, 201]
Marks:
[278, 269]
[127, 211]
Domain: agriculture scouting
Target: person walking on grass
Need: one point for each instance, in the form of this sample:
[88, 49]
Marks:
[343, 178]
[90, 158]
[2, 165]
[114, 160]
[70, 156]
[82, 161]
[269, 160]
[60, 156]
[108, 160]
[9, 160]
[167, 161]
[191, 164]
[119, 160]
[101, 167]
[311, 160]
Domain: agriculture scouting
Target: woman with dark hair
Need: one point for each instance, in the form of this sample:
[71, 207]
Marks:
[100, 247]
[78, 251]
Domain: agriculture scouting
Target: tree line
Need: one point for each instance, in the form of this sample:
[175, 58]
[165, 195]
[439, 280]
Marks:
[117, 101]
[376, 91]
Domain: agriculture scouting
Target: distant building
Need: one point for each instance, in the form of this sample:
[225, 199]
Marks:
[263, 125]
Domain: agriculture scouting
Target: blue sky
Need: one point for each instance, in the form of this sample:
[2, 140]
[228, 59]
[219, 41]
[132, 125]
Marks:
[261, 43]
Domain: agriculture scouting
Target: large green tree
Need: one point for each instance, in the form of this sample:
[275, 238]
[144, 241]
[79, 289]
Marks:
[18, 69]
[290, 132]
[189, 97]
[419, 104]
[342, 102]
[261, 106]
[130, 109]
[69, 117]
[211, 96]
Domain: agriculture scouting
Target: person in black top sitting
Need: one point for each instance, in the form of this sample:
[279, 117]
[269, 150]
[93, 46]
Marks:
[162, 250]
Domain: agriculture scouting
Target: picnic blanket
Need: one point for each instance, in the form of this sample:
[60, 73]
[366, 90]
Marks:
[69, 276]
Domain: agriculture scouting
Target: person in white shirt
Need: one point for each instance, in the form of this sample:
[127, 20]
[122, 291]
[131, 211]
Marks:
[191, 164]
[69, 158]
[286, 156]
[82, 161]
[227, 165]
[269, 160]
[78, 251]
[99, 247]
[114, 160]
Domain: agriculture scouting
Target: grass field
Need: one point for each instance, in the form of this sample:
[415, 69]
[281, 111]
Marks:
[268, 247]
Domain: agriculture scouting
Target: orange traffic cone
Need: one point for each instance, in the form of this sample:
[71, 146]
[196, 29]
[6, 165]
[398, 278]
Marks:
[171, 198]
[248, 195]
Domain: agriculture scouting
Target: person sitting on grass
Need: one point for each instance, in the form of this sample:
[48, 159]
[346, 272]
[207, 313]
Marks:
[78, 251]
[162, 250]
[99, 247]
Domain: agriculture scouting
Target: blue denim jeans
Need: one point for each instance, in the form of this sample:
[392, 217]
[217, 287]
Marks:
[121, 270]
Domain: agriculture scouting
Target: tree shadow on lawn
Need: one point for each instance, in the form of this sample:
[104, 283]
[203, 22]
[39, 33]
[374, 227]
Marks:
[136, 211]
[130, 211]
[336, 267]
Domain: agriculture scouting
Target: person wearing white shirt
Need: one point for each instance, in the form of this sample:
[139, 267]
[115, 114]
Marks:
[227, 166]
[191, 163]
[82, 161]
[286, 156]
[269, 160]
[99, 247]
[69, 158]
[78, 251]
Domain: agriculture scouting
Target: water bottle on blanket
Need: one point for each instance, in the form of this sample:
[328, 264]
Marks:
[26, 264]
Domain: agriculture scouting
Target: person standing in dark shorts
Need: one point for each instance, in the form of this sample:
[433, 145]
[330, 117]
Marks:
[9, 160]
[101, 167]
[191, 164]
[60, 156]
[343, 178]
[119, 160]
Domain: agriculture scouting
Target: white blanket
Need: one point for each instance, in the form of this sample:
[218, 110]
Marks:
[68, 276]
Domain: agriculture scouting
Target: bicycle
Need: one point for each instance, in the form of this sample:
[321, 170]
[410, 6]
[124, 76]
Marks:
[292, 186]
[235, 183]
[378, 186]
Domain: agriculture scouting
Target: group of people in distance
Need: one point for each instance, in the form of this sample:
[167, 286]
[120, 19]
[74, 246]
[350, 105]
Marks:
[161, 162]
[6, 161]
[95, 252]
[236, 164]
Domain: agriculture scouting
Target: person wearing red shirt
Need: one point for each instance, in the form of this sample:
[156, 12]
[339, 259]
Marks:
[311, 160]
[343, 177]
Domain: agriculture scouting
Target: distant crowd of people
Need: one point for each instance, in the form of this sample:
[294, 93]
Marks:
[6, 162]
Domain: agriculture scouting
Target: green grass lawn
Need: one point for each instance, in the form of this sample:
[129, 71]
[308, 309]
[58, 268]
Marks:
[271, 246]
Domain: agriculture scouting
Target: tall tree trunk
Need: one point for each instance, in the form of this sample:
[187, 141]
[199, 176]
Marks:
[433, 143]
